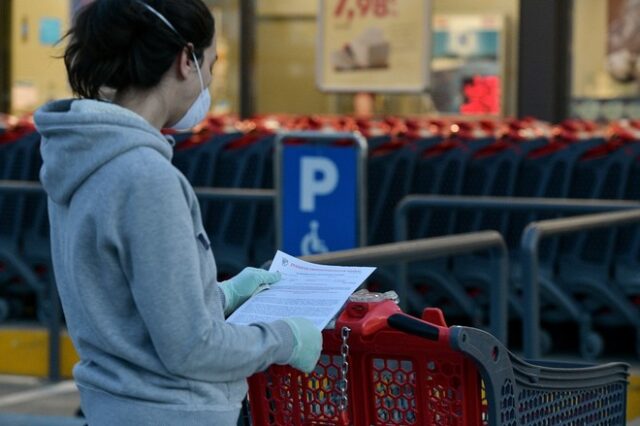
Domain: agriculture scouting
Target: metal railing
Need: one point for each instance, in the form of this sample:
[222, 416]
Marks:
[530, 240]
[19, 186]
[430, 248]
[233, 194]
[532, 236]
[534, 205]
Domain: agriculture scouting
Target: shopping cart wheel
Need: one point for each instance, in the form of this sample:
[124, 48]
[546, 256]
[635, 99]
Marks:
[4, 310]
[591, 345]
[546, 342]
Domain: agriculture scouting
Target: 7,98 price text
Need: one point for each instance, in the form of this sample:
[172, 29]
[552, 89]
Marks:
[351, 9]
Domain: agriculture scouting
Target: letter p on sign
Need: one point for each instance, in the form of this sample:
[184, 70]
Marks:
[319, 176]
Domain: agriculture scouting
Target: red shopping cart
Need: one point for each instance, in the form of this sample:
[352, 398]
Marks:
[382, 367]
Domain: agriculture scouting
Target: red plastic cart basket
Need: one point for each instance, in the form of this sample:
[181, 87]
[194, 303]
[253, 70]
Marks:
[382, 367]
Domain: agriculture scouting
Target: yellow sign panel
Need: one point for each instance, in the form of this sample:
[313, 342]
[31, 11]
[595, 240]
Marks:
[37, 74]
[374, 45]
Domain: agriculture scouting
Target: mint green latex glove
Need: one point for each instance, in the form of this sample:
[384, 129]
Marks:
[307, 344]
[244, 285]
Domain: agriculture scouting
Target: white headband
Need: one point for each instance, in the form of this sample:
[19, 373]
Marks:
[162, 18]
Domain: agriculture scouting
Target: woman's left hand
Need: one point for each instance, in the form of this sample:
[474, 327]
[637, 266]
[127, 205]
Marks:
[244, 285]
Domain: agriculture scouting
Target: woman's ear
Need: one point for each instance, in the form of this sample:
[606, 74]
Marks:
[185, 61]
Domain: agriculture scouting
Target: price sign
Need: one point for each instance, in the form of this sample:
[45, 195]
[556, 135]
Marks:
[374, 45]
[365, 8]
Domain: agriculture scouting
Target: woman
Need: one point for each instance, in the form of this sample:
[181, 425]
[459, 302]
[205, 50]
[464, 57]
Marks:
[135, 271]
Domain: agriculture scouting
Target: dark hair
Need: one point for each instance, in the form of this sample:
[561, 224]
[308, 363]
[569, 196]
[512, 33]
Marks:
[121, 44]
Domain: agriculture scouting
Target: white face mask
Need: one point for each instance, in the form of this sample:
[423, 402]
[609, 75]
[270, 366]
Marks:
[200, 107]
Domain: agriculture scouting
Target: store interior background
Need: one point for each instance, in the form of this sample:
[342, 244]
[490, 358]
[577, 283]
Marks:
[284, 64]
[283, 74]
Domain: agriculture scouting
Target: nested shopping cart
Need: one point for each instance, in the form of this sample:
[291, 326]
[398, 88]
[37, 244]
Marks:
[382, 367]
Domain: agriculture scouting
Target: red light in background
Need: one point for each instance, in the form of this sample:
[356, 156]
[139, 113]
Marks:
[482, 95]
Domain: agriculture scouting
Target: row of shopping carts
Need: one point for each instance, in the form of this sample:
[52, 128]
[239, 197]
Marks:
[510, 158]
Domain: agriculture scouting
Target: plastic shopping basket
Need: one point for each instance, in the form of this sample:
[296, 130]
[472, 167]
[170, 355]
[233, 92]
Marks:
[382, 367]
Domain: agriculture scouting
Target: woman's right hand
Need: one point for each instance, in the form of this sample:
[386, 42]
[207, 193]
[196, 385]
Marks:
[307, 344]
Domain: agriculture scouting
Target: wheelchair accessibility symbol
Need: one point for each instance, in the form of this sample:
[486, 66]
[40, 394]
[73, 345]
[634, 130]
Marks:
[311, 242]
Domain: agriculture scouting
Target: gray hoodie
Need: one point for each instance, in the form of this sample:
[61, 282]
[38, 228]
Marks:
[137, 277]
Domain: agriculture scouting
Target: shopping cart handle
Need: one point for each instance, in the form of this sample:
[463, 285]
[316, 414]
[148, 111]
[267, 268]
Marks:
[414, 326]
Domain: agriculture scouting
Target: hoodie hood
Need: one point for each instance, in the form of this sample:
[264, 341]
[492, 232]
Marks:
[80, 136]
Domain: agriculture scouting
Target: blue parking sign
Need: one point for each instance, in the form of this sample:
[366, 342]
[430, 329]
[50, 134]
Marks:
[319, 196]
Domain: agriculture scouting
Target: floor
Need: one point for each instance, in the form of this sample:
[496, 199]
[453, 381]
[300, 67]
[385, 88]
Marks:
[26, 401]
